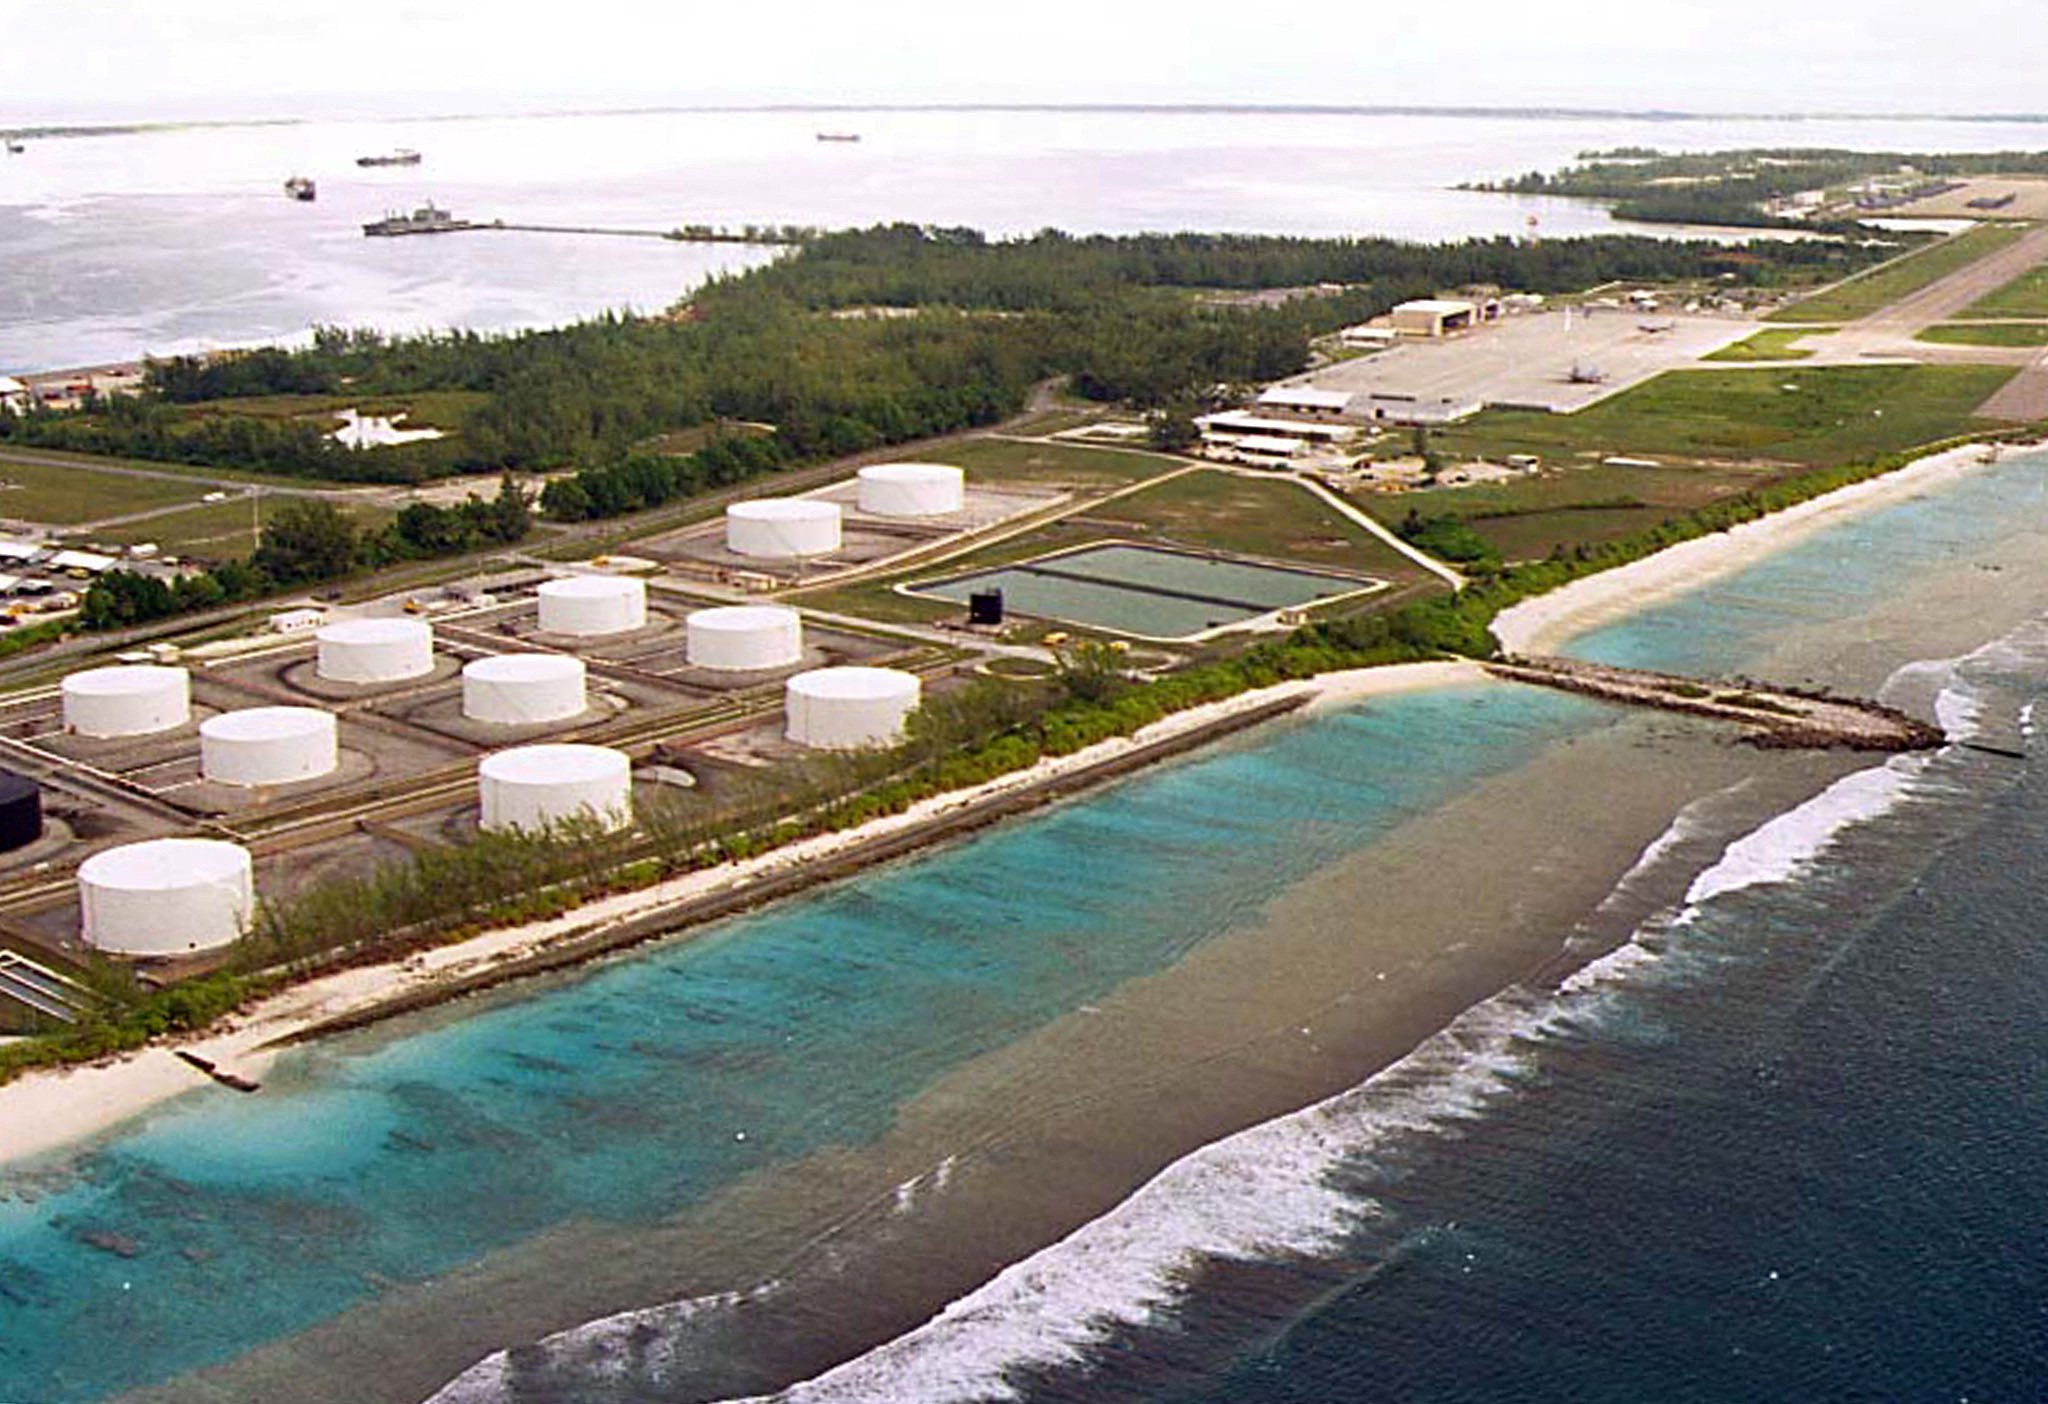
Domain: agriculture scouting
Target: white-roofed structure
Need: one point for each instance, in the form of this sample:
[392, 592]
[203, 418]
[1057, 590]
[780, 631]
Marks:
[129, 700]
[591, 605]
[522, 689]
[166, 897]
[742, 638]
[1270, 446]
[375, 650]
[1240, 422]
[842, 709]
[911, 489]
[782, 528]
[22, 551]
[269, 746]
[1304, 399]
[91, 562]
[534, 787]
[13, 394]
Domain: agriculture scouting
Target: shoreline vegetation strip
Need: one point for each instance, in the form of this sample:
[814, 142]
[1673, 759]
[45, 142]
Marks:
[444, 896]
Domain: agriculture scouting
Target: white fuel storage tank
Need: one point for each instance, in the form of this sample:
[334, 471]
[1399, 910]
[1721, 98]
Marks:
[166, 897]
[742, 638]
[269, 745]
[531, 787]
[375, 650]
[132, 700]
[912, 489]
[847, 708]
[782, 528]
[519, 689]
[593, 604]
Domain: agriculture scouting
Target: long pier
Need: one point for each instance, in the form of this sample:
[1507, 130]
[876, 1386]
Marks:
[1775, 717]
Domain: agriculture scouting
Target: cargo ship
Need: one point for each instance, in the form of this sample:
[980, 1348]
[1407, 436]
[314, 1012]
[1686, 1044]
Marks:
[427, 219]
[404, 156]
[838, 136]
[301, 188]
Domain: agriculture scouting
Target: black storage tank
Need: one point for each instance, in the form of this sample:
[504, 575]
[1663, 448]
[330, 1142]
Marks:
[985, 607]
[21, 811]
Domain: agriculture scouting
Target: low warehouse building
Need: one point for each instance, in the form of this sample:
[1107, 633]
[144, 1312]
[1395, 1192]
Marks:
[912, 489]
[523, 689]
[166, 897]
[535, 787]
[269, 746]
[744, 638]
[782, 528]
[590, 605]
[1434, 316]
[129, 700]
[375, 650]
[1302, 399]
[843, 709]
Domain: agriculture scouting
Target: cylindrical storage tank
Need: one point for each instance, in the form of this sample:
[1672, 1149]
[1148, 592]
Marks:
[127, 701]
[531, 787]
[593, 604]
[912, 489]
[21, 811]
[782, 528]
[518, 689]
[740, 638]
[375, 650]
[846, 708]
[166, 896]
[268, 745]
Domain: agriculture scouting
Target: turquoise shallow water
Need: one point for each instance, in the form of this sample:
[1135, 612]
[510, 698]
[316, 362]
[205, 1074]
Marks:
[622, 1095]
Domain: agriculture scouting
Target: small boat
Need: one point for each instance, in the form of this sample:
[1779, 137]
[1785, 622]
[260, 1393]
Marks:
[838, 136]
[301, 188]
[15, 148]
[427, 219]
[404, 156]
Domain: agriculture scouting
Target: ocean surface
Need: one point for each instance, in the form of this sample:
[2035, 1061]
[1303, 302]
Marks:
[1782, 1144]
[180, 239]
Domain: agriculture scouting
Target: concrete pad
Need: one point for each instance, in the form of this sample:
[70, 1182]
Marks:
[1526, 361]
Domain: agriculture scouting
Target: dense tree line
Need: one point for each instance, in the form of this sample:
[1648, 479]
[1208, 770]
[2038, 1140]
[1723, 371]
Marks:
[305, 542]
[862, 339]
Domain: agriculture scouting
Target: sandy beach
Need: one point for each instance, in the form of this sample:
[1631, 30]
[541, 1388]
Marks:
[43, 1112]
[1542, 624]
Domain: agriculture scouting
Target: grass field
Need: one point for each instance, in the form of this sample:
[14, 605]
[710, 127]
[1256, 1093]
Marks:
[1067, 467]
[218, 530]
[199, 471]
[2024, 296]
[36, 492]
[1525, 518]
[1772, 344]
[1888, 282]
[1817, 416]
[1987, 334]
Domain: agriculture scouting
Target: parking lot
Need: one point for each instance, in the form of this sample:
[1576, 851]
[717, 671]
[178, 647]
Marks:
[1528, 361]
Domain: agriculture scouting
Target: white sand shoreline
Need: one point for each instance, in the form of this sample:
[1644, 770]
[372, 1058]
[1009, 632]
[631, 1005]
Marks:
[1541, 624]
[46, 1111]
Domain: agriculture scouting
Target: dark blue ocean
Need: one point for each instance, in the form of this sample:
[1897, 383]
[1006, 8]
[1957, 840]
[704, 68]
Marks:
[1783, 1144]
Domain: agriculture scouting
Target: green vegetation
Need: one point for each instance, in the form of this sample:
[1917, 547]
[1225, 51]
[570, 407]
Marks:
[1111, 315]
[217, 530]
[1881, 287]
[1272, 517]
[1738, 187]
[2024, 296]
[1818, 416]
[306, 541]
[36, 492]
[1449, 538]
[1987, 334]
[1771, 344]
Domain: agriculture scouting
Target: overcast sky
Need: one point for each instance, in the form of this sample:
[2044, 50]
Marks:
[115, 59]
